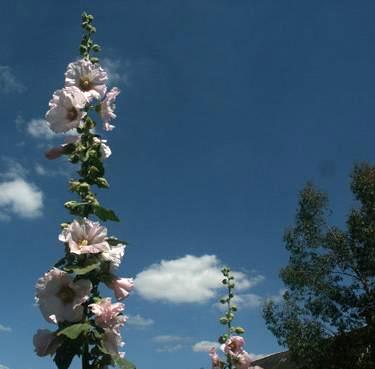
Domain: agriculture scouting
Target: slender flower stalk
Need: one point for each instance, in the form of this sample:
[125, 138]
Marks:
[232, 342]
[87, 325]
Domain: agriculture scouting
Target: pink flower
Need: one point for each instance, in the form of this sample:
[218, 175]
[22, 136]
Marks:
[46, 342]
[85, 237]
[121, 287]
[65, 111]
[107, 108]
[107, 315]
[114, 256]
[214, 358]
[60, 298]
[242, 360]
[90, 78]
[56, 152]
[105, 150]
[233, 345]
[112, 342]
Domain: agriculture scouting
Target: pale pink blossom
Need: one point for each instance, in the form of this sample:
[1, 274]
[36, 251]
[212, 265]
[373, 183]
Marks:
[112, 342]
[46, 342]
[65, 111]
[90, 78]
[107, 108]
[56, 152]
[233, 345]
[242, 360]
[108, 315]
[105, 150]
[114, 256]
[121, 287]
[85, 237]
[60, 298]
[214, 358]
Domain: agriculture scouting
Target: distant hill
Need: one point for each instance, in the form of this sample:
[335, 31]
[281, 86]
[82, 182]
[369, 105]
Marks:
[280, 360]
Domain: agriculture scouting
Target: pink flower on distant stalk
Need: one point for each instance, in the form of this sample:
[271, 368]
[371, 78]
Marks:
[107, 108]
[242, 360]
[60, 298]
[46, 342]
[214, 358]
[65, 111]
[114, 256]
[233, 345]
[107, 315]
[121, 287]
[90, 78]
[85, 237]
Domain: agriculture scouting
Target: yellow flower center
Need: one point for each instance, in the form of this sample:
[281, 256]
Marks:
[85, 84]
[66, 294]
[83, 243]
[72, 114]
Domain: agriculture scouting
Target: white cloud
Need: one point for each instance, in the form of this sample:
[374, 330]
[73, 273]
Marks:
[170, 343]
[3, 328]
[190, 279]
[38, 128]
[138, 321]
[3, 367]
[205, 346]
[8, 81]
[17, 195]
[114, 68]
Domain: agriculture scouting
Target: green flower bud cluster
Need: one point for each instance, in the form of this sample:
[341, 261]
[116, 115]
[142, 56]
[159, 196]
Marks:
[87, 45]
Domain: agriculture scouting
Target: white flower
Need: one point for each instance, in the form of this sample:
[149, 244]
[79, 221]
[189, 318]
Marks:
[105, 150]
[65, 109]
[90, 78]
[60, 298]
[114, 255]
[85, 237]
[107, 108]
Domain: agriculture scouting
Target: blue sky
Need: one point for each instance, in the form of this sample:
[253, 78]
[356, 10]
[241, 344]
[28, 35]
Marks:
[227, 109]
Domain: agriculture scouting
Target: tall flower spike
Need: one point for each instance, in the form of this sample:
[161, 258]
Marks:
[68, 295]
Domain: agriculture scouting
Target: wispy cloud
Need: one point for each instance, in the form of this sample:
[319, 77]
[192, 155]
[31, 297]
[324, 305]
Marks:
[18, 196]
[137, 321]
[199, 282]
[9, 82]
[3, 328]
[116, 70]
[205, 346]
[3, 367]
[38, 128]
[170, 343]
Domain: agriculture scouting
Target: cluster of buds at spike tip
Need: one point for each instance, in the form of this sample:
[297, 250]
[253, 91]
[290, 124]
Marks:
[68, 294]
[232, 344]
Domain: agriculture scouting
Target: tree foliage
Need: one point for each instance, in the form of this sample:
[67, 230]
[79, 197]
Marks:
[327, 315]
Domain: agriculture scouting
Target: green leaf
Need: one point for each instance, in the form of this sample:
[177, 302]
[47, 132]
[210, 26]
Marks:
[75, 330]
[65, 353]
[105, 214]
[82, 270]
[123, 363]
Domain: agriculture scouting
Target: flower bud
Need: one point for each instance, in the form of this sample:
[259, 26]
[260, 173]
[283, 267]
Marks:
[223, 300]
[239, 330]
[224, 281]
[223, 320]
[102, 182]
[234, 307]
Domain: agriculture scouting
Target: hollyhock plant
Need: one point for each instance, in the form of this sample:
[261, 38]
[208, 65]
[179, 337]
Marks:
[107, 108]
[60, 298]
[46, 342]
[85, 237]
[66, 109]
[87, 76]
[232, 344]
[121, 287]
[68, 295]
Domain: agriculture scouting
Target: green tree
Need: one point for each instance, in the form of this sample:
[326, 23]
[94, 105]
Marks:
[327, 315]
